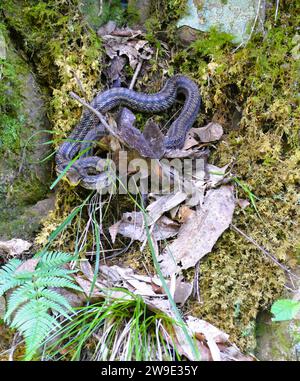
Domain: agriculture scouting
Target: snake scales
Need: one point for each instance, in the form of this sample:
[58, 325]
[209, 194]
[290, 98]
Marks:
[89, 129]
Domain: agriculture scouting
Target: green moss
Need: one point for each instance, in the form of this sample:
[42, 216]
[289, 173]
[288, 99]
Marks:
[11, 115]
[97, 16]
[64, 50]
[260, 80]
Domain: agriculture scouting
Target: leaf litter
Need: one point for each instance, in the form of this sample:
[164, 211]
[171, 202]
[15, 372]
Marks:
[197, 213]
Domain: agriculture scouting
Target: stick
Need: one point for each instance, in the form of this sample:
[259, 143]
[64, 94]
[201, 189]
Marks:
[100, 8]
[96, 112]
[136, 73]
[276, 12]
[196, 288]
[263, 250]
[79, 83]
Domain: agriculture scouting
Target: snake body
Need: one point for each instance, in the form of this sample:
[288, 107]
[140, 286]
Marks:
[154, 103]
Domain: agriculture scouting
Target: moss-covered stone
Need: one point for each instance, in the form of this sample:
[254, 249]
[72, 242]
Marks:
[24, 178]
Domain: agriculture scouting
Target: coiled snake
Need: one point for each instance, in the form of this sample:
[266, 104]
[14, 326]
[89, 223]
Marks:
[89, 128]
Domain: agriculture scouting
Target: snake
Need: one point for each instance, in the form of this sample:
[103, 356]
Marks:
[89, 128]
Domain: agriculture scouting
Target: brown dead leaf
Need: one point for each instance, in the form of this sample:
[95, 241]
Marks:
[183, 291]
[114, 72]
[132, 226]
[86, 268]
[111, 29]
[75, 298]
[28, 265]
[242, 203]
[216, 340]
[184, 213]
[107, 29]
[210, 133]
[200, 232]
[113, 231]
[190, 142]
[215, 175]
[192, 153]
[163, 204]
[124, 42]
[149, 143]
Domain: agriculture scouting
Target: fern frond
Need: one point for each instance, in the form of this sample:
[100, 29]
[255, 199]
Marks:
[56, 297]
[21, 295]
[64, 273]
[35, 323]
[55, 307]
[8, 269]
[55, 259]
[24, 275]
[10, 283]
[31, 302]
[57, 282]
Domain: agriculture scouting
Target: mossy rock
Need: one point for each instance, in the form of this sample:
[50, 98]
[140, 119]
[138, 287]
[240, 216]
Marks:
[24, 178]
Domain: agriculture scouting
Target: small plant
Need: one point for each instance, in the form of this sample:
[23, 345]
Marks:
[114, 329]
[285, 309]
[33, 297]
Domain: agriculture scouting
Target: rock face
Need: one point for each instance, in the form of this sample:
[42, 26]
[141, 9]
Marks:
[280, 340]
[277, 341]
[142, 7]
[24, 176]
[231, 16]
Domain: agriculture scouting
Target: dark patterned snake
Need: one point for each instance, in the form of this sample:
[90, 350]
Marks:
[89, 129]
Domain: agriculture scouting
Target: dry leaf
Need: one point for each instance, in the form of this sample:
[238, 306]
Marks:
[113, 231]
[124, 42]
[184, 213]
[215, 175]
[149, 143]
[242, 203]
[28, 265]
[210, 133]
[132, 226]
[190, 142]
[200, 232]
[163, 204]
[183, 291]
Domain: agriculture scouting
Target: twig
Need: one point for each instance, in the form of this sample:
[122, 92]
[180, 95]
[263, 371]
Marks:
[196, 287]
[100, 8]
[79, 83]
[14, 345]
[96, 112]
[276, 11]
[263, 250]
[136, 73]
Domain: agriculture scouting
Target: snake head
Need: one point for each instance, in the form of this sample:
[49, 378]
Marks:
[72, 176]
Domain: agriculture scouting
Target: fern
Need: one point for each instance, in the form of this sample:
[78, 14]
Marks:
[32, 300]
